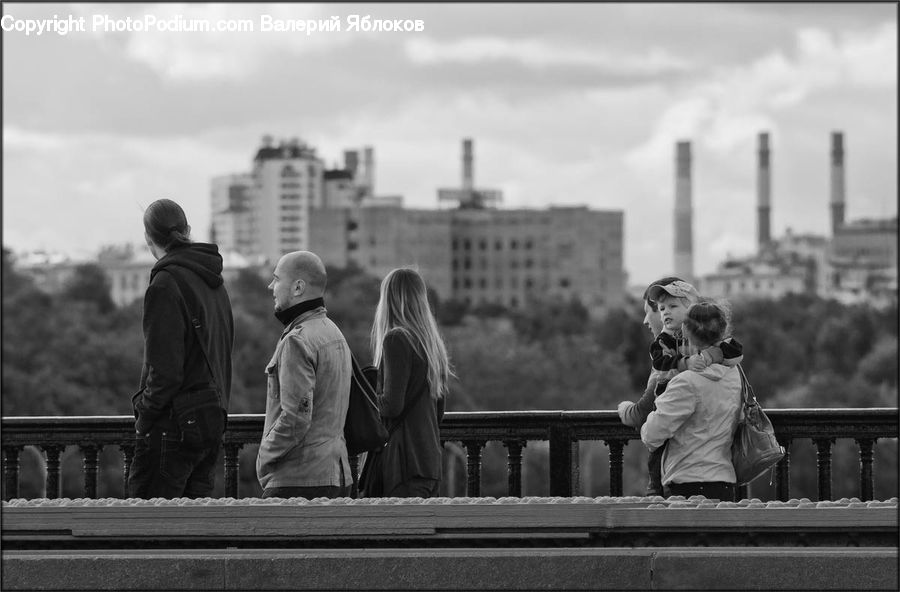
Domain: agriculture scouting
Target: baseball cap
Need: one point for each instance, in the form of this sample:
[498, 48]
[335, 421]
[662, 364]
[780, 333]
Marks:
[678, 289]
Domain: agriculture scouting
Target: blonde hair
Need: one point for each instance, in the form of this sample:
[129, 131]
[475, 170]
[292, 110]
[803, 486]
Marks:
[404, 305]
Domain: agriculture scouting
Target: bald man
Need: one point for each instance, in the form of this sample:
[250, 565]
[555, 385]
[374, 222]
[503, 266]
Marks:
[302, 452]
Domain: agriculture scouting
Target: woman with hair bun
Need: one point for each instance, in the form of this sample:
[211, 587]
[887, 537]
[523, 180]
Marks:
[188, 338]
[698, 414]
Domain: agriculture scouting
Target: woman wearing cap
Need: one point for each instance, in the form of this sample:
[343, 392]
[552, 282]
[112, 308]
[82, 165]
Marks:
[697, 414]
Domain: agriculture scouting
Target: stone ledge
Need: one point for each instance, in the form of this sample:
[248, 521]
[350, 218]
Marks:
[655, 501]
[458, 569]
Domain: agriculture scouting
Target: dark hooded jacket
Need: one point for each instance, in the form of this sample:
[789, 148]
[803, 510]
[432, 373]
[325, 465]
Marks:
[173, 359]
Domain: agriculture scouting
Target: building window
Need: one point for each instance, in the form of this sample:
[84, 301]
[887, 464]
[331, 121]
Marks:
[467, 244]
[514, 302]
[482, 283]
[482, 245]
[564, 283]
[455, 244]
[529, 263]
[467, 283]
[528, 244]
[467, 263]
[514, 264]
[514, 244]
[529, 283]
[498, 245]
[455, 264]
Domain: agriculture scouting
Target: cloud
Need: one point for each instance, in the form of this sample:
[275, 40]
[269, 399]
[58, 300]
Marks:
[533, 53]
[100, 183]
[726, 111]
[233, 53]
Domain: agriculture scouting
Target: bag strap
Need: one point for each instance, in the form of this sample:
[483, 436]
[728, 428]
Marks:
[747, 395]
[186, 295]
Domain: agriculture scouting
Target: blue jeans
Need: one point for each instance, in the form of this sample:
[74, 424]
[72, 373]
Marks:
[163, 467]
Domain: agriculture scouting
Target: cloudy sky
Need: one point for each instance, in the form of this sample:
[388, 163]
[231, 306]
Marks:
[567, 104]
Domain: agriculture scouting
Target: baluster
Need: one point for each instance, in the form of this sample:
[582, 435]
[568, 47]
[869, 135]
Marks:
[783, 471]
[127, 460]
[473, 467]
[563, 461]
[354, 474]
[52, 453]
[866, 461]
[514, 466]
[91, 460]
[616, 461]
[232, 462]
[823, 465]
[11, 471]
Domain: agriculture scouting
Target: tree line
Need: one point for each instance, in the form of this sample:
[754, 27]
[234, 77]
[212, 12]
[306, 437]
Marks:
[74, 353]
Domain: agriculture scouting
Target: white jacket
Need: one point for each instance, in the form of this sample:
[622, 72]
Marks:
[697, 413]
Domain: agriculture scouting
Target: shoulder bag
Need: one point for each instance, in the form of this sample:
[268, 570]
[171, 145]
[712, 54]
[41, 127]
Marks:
[363, 428]
[755, 449]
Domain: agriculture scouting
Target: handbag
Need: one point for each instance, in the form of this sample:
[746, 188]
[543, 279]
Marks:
[199, 414]
[754, 449]
[363, 428]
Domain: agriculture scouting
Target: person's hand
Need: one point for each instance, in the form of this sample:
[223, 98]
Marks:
[696, 363]
[622, 408]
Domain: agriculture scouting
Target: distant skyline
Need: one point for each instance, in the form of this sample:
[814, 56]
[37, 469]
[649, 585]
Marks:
[572, 104]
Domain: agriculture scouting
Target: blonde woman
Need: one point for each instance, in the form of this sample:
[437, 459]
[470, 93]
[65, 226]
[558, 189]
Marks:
[413, 377]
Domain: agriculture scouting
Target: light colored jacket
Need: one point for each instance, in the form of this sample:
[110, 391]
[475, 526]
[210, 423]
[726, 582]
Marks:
[697, 414]
[306, 405]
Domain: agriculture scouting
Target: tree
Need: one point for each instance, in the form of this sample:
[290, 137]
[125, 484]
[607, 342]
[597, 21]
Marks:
[89, 283]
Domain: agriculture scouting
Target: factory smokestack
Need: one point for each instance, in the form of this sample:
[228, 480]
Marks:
[351, 161]
[468, 173]
[684, 250]
[763, 193]
[837, 181]
[369, 169]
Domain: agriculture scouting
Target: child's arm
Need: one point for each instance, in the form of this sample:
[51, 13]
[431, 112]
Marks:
[665, 355]
[732, 351]
[635, 414]
[728, 352]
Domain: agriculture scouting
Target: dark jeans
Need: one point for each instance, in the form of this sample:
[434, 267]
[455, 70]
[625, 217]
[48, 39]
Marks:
[654, 468]
[416, 487]
[724, 492]
[329, 491]
[163, 467]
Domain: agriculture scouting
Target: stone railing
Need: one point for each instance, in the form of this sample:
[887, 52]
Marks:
[562, 429]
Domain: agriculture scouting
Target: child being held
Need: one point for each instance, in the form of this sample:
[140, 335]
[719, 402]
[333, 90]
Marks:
[669, 355]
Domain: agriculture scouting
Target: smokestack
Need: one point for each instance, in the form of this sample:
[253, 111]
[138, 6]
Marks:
[351, 161]
[763, 193]
[468, 174]
[684, 251]
[837, 181]
[369, 169]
